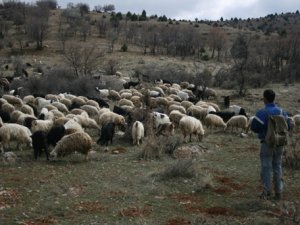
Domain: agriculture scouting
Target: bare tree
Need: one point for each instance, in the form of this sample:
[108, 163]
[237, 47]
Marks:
[37, 25]
[240, 53]
[217, 40]
[82, 59]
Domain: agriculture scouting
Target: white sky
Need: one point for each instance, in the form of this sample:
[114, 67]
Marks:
[200, 9]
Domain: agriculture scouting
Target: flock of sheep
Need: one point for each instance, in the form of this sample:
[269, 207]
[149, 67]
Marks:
[65, 121]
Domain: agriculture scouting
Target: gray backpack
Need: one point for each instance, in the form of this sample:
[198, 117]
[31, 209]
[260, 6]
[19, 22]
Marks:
[277, 131]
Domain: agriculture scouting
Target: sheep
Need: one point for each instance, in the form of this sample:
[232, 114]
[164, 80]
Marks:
[55, 134]
[52, 97]
[160, 90]
[60, 121]
[27, 109]
[42, 125]
[111, 117]
[239, 121]
[61, 107]
[66, 102]
[137, 132]
[130, 84]
[126, 95]
[107, 133]
[238, 110]
[56, 113]
[175, 97]
[39, 142]
[41, 103]
[14, 132]
[162, 102]
[85, 121]
[154, 94]
[136, 100]
[183, 95]
[186, 104]
[15, 116]
[120, 110]
[15, 101]
[175, 116]
[92, 111]
[165, 129]
[91, 102]
[73, 124]
[76, 102]
[224, 115]
[160, 118]
[114, 95]
[77, 111]
[29, 99]
[103, 93]
[190, 125]
[79, 142]
[43, 114]
[101, 102]
[212, 120]
[124, 101]
[296, 119]
[197, 112]
[249, 123]
[177, 107]
[7, 107]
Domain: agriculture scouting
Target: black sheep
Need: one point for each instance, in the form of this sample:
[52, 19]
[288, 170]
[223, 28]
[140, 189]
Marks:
[55, 134]
[39, 142]
[107, 134]
[28, 122]
[5, 116]
[130, 84]
[119, 110]
[224, 115]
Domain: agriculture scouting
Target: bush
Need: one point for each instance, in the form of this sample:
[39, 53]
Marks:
[181, 168]
[205, 57]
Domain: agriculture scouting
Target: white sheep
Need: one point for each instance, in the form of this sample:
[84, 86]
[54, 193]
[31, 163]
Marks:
[175, 116]
[197, 112]
[212, 120]
[125, 101]
[114, 95]
[27, 109]
[7, 107]
[93, 103]
[183, 95]
[177, 107]
[73, 124]
[79, 142]
[190, 125]
[92, 111]
[126, 95]
[111, 117]
[160, 118]
[239, 121]
[296, 119]
[186, 104]
[41, 125]
[15, 101]
[14, 132]
[137, 132]
[66, 102]
[86, 122]
[61, 107]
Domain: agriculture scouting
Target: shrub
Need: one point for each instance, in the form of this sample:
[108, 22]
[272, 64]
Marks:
[181, 168]
[124, 48]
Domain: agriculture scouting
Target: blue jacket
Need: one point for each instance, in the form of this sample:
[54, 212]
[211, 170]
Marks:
[260, 122]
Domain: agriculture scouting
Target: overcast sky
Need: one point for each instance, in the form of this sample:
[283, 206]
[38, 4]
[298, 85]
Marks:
[200, 9]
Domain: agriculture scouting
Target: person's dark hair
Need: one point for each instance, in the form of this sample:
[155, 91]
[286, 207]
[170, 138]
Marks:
[269, 95]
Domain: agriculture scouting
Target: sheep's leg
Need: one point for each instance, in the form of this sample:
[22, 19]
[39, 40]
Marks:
[47, 153]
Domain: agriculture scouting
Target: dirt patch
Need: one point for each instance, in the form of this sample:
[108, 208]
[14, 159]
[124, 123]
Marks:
[178, 221]
[49, 220]
[90, 207]
[186, 199]
[115, 193]
[214, 211]
[223, 190]
[226, 181]
[9, 198]
[134, 211]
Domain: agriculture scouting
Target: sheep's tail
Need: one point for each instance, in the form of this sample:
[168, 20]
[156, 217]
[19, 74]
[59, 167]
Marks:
[136, 125]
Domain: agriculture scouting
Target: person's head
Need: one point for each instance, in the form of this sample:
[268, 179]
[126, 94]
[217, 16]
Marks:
[269, 96]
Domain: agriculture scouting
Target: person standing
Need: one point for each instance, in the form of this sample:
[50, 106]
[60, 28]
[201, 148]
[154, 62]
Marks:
[270, 157]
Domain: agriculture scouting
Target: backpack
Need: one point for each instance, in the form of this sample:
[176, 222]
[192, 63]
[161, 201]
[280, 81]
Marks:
[277, 130]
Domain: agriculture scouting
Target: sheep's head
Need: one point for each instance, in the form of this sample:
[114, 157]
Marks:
[53, 154]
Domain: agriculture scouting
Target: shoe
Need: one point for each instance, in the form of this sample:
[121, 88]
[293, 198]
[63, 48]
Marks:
[265, 196]
[277, 196]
